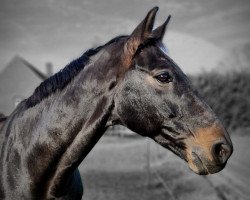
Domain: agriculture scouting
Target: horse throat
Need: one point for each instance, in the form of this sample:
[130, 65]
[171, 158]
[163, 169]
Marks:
[92, 130]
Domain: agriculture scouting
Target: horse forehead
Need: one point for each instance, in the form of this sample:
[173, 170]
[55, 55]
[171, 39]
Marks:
[157, 53]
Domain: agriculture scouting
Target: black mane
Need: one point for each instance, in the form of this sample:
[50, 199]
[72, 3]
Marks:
[59, 80]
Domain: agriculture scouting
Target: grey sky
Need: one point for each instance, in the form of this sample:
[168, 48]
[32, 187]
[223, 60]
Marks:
[201, 32]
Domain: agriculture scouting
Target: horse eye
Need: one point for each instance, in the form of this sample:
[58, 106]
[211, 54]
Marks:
[164, 78]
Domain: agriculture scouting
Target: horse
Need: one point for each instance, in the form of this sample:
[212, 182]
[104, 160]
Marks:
[130, 81]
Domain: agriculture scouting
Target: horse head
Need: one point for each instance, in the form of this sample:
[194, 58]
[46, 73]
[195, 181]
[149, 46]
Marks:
[154, 98]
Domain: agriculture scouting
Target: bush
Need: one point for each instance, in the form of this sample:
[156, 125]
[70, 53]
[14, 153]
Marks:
[228, 95]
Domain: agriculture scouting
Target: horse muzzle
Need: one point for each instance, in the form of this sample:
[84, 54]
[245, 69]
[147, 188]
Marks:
[200, 164]
[208, 151]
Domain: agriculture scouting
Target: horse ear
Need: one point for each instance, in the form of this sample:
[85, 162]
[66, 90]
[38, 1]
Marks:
[159, 32]
[141, 32]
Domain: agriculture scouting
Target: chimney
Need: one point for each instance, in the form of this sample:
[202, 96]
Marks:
[49, 69]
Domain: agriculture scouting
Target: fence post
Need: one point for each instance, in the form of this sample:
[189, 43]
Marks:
[148, 163]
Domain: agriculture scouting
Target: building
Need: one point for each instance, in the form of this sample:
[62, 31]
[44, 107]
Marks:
[18, 80]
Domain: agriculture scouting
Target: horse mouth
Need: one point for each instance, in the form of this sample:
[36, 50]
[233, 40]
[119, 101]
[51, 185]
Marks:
[197, 165]
[175, 145]
[202, 167]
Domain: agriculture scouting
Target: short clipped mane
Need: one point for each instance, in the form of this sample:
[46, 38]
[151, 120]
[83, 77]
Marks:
[59, 80]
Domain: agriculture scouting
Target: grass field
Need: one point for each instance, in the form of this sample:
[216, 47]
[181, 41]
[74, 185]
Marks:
[116, 169]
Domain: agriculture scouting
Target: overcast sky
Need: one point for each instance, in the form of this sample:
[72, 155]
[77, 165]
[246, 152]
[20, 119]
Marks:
[200, 35]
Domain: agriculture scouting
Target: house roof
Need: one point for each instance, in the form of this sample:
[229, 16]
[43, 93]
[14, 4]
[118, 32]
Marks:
[17, 81]
[18, 60]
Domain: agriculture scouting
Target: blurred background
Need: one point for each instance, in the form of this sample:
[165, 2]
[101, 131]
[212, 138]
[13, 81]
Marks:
[209, 40]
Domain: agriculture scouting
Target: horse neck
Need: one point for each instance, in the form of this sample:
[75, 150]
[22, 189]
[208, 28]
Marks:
[81, 104]
[91, 104]
[63, 128]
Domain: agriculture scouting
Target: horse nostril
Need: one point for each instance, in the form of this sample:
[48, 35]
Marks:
[221, 151]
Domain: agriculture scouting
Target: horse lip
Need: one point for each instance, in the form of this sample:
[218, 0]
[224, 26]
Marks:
[199, 164]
